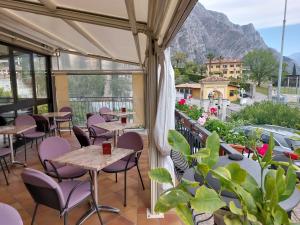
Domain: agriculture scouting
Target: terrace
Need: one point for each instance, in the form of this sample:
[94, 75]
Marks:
[53, 53]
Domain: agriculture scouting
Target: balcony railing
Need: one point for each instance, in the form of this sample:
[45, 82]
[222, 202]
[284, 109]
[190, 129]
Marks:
[196, 135]
[83, 105]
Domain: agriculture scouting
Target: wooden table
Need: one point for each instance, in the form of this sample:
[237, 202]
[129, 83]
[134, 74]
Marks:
[54, 115]
[91, 158]
[11, 130]
[115, 126]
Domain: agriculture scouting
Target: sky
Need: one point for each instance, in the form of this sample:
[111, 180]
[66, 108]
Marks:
[266, 16]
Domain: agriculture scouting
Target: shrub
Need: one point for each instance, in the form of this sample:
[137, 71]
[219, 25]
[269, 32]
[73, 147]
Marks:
[193, 111]
[270, 113]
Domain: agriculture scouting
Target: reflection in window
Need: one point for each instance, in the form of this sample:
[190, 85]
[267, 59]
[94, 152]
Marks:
[5, 83]
[42, 109]
[23, 74]
[40, 76]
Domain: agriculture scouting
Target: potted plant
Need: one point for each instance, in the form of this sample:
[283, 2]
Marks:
[258, 204]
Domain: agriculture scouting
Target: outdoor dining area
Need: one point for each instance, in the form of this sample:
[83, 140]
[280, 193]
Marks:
[65, 168]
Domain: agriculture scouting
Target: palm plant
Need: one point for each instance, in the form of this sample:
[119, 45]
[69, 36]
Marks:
[210, 56]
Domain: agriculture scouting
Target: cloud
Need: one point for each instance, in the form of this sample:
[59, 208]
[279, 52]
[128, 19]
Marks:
[262, 13]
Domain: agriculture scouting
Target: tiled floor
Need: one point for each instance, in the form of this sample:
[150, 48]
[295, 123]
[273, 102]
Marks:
[111, 193]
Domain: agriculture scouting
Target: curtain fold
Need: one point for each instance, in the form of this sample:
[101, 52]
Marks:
[165, 118]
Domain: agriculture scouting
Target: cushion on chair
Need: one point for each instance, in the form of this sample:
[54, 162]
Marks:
[66, 172]
[119, 166]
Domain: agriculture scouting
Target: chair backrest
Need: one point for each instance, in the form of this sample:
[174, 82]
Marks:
[24, 120]
[53, 147]
[105, 110]
[88, 115]
[94, 119]
[3, 121]
[81, 136]
[43, 189]
[9, 215]
[131, 140]
[66, 109]
[42, 122]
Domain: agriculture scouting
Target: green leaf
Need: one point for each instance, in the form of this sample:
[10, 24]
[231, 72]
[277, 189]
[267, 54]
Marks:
[202, 169]
[238, 174]
[290, 183]
[235, 210]
[212, 143]
[171, 200]
[280, 181]
[160, 175]
[250, 185]
[280, 216]
[206, 200]
[232, 220]
[202, 153]
[222, 173]
[178, 142]
[186, 184]
[271, 193]
[268, 156]
[185, 214]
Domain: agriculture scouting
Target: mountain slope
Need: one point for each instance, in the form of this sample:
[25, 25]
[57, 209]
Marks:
[295, 57]
[207, 31]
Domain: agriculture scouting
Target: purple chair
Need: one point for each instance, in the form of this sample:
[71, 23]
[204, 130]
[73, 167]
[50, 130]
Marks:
[43, 124]
[67, 118]
[61, 196]
[31, 134]
[129, 140]
[81, 137]
[53, 147]
[4, 152]
[9, 215]
[97, 134]
[108, 118]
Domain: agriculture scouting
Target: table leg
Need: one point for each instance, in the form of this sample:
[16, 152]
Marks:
[92, 210]
[55, 125]
[10, 137]
[115, 138]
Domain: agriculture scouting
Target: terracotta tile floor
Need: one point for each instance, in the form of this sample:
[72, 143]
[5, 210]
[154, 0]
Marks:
[110, 192]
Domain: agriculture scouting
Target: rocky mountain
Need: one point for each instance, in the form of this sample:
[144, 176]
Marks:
[296, 57]
[207, 31]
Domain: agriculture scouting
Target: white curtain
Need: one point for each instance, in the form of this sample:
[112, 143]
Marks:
[165, 119]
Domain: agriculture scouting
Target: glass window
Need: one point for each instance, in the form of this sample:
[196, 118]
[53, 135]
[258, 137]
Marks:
[5, 83]
[23, 74]
[42, 109]
[40, 75]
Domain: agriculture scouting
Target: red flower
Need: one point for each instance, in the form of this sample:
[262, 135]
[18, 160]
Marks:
[292, 155]
[213, 110]
[181, 102]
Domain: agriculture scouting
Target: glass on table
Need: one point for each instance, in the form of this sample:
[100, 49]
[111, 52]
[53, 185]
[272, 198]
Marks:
[106, 147]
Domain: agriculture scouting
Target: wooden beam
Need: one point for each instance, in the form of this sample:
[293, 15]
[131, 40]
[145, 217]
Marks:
[132, 20]
[72, 14]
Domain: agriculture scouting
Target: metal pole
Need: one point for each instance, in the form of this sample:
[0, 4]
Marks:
[281, 54]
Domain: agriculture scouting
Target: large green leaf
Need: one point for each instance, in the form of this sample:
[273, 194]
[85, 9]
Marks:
[268, 156]
[186, 184]
[185, 214]
[202, 169]
[271, 193]
[213, 144]
[172, 199]
[206, 200]
[290, 183]
[160, 175]
[231, 219]
[280, 181]
[234, 209]
[250, 185]
[238, 174]
[178, 142]
[202, 153]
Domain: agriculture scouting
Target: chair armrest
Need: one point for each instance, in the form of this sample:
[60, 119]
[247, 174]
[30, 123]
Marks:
[92, 132]
[53, 167]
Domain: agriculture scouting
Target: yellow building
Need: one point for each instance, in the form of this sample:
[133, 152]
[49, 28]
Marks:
[219, 86]
[225, 68]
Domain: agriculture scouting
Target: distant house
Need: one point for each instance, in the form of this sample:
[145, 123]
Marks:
[226, 68]
[218, 86]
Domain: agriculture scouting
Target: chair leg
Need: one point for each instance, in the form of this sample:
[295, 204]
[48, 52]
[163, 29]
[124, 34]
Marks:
[65, 218]
[31, 143]
[6, 164]
[125, 191]
[36, 143]
[138, 169]
[116, 177]
[70, 127]
[25, 149]
[34, 213]
[97, 209]
[4, 173]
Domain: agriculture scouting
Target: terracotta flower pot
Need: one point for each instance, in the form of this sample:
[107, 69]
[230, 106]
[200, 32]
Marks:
[239, 148]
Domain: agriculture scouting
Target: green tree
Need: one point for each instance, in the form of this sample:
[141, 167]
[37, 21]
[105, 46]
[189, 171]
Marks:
[202, 69]
[191, 68]
[179, 58]
[262, 65]
[220, 58]
[294, 70]
[210, 56]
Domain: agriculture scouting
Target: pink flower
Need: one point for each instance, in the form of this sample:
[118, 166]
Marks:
[205, 115]
[213, 110]
[201, 120]
[181, 102]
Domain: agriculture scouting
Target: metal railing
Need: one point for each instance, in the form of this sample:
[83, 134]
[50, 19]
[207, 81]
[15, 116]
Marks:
[83, 105]
[196, 135]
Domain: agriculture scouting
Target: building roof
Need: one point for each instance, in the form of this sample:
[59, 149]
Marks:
[188, 85]
[214, 78]
[216, 61]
